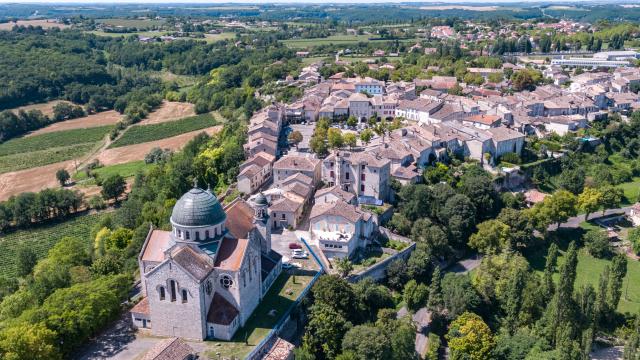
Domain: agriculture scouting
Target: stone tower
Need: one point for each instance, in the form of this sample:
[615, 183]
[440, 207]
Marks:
[262, 221]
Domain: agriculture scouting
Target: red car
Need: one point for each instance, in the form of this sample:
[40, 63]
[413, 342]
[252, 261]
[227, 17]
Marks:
[295, 246]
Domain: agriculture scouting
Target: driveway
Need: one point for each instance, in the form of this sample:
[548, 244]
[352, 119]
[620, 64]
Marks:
[121, 342]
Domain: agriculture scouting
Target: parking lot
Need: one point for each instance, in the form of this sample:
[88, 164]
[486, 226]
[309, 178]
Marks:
[280, 240]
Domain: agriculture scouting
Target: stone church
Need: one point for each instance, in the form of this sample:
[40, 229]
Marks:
[205, 277]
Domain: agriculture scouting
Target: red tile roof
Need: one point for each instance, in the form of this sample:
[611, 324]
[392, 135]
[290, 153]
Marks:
[231, 253]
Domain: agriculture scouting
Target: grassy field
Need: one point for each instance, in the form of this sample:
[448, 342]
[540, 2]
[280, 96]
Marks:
[280, 297]
[333, 39]
[125, 170]
[218, 37]
[54, 140]
[42, 238]
[631, 191]
[144, 133]
[138, 23]
[590, 268]
[28, 160]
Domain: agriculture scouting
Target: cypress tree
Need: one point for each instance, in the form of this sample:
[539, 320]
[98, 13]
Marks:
[435, 302]
[549, 269]
[513, 302]
[601, 306]
[617, 274]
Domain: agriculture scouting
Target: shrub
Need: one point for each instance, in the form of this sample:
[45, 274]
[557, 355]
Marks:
[96, 202]
[597, 243]
[512, 158]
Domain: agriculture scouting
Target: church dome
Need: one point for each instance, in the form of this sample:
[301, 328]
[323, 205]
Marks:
[260, 199]
[197, 208]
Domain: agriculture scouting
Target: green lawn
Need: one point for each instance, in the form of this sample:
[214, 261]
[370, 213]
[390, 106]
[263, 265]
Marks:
[138, 134]
[54, 140]
[631, 191]
[590, 268]
[41, 238]
[125, 170]
[280, 297]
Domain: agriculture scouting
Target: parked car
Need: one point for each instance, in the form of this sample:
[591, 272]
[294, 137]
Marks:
[293, 245]
[299, 254]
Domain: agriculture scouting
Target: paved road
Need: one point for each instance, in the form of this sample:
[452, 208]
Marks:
[422, 319]
[574, 222]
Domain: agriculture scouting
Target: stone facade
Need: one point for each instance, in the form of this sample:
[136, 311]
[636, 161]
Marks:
[204, 278]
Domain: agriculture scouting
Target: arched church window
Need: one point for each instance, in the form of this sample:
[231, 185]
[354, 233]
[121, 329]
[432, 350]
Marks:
[161, 292]
[197, 235]
[244, 279]
[186, 234]
[226, 281]
[206, 234]
[173, 290]
[208, 287]
[184, 296]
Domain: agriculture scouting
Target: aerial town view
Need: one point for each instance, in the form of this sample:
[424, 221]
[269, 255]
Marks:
[343, 180]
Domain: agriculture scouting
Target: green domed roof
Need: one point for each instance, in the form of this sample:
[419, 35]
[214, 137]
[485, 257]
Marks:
[198, 208]
[260, 199]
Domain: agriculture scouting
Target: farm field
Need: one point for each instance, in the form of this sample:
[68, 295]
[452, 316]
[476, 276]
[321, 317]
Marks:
[138, 134]
[41, 238]
[54, 140]
[139, 33]
[169, 111]
[45, 24]
[45, 108]
[124, 154]
[34, 179]
[218, 37]
[32, 159]
[137, 23]
[334, 39]
[95, 120]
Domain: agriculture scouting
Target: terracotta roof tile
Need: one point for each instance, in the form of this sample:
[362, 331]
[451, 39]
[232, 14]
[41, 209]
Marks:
[141, 307]
[231, 253]
[221, 311]
[170, 349]
[192, 261]
[159, 242]
[239, 218]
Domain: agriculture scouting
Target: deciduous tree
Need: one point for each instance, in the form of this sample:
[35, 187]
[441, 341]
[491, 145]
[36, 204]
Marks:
[470, 338]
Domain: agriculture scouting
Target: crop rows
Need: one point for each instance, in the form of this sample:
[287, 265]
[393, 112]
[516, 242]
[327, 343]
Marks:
[42, 238]
[28, 160]
[145, 133]
[54, 140]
